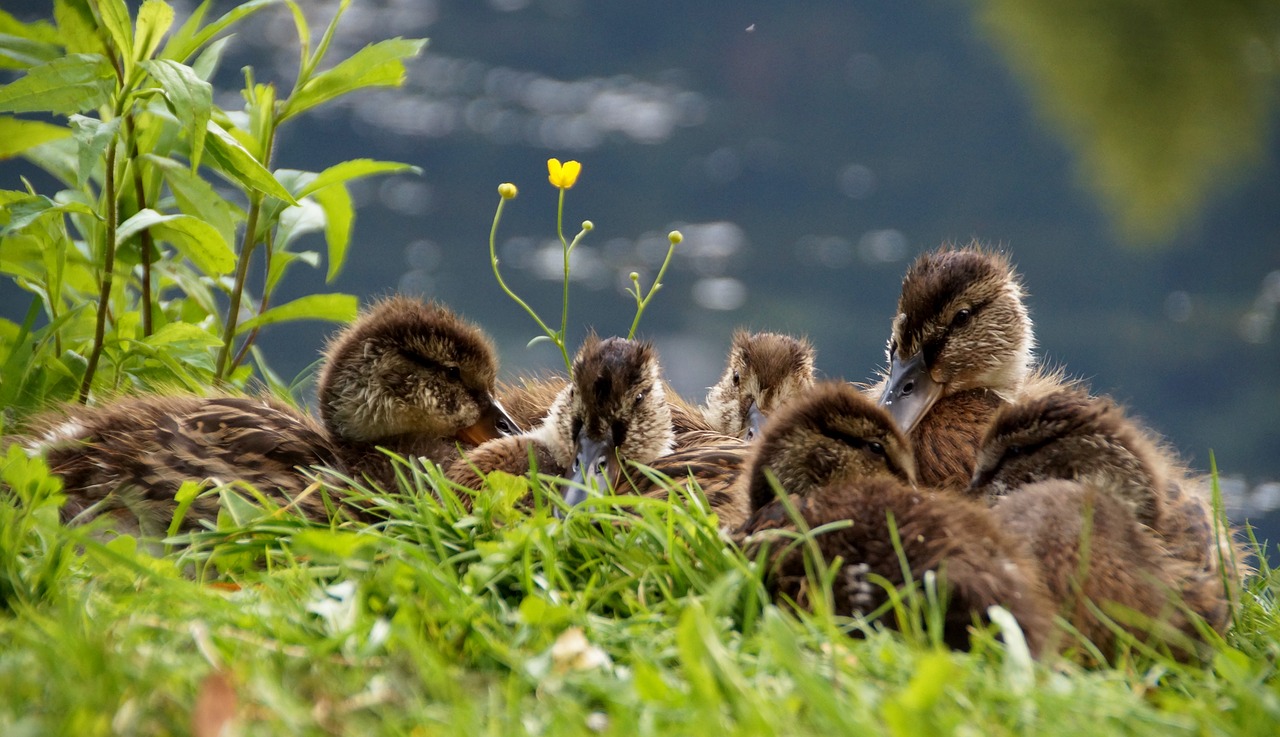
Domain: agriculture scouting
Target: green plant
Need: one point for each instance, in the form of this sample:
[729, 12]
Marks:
[136, 276]
[563, 177]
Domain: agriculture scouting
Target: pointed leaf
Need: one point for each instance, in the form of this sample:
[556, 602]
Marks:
[115, 18]
[92, 138]
[305, 217]
[197, 197]
[182, 332]
[77, 28]
[17, 136]
[20, 52]
[22, 213]
[193, 237]
[354, 169]
[235, 161]
[376, 65]
[71, 84]
[330, 307]
[154, 19]
[339, 212]
[190, 98]
[187, 40]
[207, 62]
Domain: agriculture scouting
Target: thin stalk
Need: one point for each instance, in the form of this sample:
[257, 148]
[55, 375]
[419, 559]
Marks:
[108, 269]
[567, 249]
[641, 304]
[493, 260]
[237, 289]
[147, 242]
[263, 304]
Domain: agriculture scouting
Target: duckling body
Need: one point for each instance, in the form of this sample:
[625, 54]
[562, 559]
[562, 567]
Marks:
[961, 347]
[1151, 542]
[407, 376]
[840, 458]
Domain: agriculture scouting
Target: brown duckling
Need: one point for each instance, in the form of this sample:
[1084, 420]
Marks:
[410, 377]
[1152, 546]
[764, 370]
[961, 347]
[840, 458]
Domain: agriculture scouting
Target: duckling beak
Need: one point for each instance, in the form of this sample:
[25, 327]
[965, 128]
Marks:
[910, 392]
[494, 422]
[755, 421]
[589, 469]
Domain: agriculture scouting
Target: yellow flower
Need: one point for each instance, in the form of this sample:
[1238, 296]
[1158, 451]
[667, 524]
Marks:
[563, 175]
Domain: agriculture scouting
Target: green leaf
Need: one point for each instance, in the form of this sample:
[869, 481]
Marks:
[339, 213]
[182, 332]
[195, 196]
[334, 546]
[92, 138]
[22, 213]
[115, 17]
[207, 62]
[306, 217]
[77, 28]
[20, 52]
[71, 84]
[186, 41]
[190, 98]
[193, 237]
[330, 307]
[354, 169]
[17, 136]
[376, 65]
[154, 19]
[236, 161]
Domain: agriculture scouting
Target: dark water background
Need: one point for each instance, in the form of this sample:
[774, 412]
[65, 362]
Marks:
[807, 152]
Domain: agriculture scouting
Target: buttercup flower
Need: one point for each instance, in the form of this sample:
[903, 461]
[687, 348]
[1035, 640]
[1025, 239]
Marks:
[563, 175]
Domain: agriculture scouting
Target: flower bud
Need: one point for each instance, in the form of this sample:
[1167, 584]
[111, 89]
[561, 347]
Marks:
[675, 237]
[588, 226]
[507, 190]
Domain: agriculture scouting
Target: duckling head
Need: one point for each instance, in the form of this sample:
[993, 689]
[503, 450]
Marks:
[407, 367]
[830, 434]
[1073, 436]
[764, 370]
[617, 410]
[961, 325]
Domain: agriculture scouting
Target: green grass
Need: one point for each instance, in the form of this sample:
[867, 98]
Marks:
[436, 620]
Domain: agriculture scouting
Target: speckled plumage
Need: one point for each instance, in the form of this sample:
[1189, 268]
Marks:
[1158, 528]
[764, 370]
[840, 458]
[408, 376]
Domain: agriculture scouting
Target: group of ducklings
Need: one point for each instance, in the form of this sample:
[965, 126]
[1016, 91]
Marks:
[967, 462]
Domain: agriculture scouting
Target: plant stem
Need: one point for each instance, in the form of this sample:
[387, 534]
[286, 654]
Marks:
[237, 289]
[108, 268]
[147, 242]
[262, 306]
[566, 249]
[641, 304]
[493, 260]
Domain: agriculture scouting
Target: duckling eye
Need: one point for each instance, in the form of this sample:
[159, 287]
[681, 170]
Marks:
[875, 448]
[453, 372]
[504, 427]
[639, 397]
[961, 318]
[737, 378]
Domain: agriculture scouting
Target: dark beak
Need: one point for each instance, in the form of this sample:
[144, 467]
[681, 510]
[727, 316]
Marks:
[910, 392]
[755, 421]
[590, 469]
[494, 422]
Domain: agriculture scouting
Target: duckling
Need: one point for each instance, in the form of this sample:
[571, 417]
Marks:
[961, 347]
[1153, 544]
[839, 458]
[410, 377]
[764, 370]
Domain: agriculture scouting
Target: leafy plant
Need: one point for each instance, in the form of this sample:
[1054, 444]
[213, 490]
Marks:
[139, 267]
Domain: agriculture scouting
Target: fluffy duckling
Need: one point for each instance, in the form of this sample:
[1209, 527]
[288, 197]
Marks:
[615, 409]
[840, 458]
[764, 370]
[410, 377]
[961, 347]
[1151, 546]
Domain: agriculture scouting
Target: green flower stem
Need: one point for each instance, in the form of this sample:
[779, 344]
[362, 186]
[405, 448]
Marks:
[108, 269]
[567, 248]
[641, 304]
[493, 260]
[237, 288]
